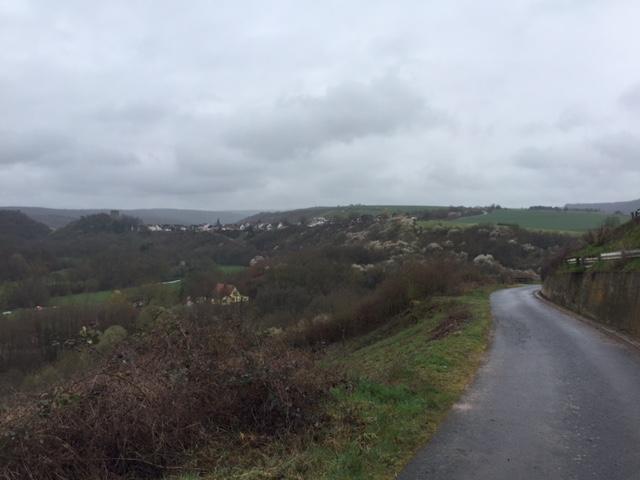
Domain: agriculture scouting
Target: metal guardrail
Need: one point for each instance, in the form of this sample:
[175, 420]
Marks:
[604, 257]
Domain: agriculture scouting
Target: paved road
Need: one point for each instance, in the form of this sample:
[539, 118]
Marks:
[557, 399]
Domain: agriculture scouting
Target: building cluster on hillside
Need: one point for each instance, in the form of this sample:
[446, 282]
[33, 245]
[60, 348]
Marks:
[260, 226]
[167, 228]
[201, 227]
[222, 294]
[229, 227]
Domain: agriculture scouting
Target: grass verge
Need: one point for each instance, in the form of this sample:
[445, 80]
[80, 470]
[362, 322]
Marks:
[402, 380]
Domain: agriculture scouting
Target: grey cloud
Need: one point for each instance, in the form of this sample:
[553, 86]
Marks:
[534, 158]
[630, 99]
[47, 150]
[31, 148]
[344, 113]
[571, 118]
[130, 115]
[621, 149]
[249, 104]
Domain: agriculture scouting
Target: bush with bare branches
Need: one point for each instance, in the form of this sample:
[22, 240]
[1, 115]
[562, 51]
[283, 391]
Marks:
[158, 396]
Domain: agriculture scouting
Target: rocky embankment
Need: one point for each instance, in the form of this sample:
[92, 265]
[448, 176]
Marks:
[610, 298]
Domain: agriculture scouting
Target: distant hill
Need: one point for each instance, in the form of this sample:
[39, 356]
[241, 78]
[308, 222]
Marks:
[18, 226]
[99, 223]
[294, 216]
[291, 216]
[608, 207]
[58, 218]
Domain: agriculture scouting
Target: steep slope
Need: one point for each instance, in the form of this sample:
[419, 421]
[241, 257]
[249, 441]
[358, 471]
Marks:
[606, 291]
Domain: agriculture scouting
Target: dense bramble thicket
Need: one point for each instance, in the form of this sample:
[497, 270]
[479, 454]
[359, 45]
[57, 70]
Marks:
[182, 384]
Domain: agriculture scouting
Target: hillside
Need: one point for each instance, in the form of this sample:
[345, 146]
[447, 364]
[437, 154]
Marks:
[99, 223]
[347, 335]
[559, 220]
[625, 237]
[17, 225]
[347, 211]
[608, 207]
[58, 218]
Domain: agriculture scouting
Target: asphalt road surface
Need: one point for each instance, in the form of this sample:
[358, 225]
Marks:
[556, 399]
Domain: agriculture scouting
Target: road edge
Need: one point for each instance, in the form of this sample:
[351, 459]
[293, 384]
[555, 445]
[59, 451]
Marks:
[622, 337]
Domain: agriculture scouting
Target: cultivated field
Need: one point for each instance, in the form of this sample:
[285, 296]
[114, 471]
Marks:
[569, 221]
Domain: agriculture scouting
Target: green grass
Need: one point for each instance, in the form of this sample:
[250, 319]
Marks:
[401, 387]
[231, 268]
[348, 210]
[569, 221]
[430, 224]
[89, 298]
[632, 266]
[96, 298]
[625, 237]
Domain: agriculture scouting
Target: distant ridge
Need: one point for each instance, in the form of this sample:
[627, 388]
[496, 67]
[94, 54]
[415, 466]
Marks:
[608, 207]
[58, 218]
[295, 216]
[18, 226]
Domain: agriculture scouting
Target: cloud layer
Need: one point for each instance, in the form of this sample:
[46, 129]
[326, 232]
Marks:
[250, 104]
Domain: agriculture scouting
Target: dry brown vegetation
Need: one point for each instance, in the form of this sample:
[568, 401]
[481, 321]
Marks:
[160, 395]
[452, 323]
[393, 296]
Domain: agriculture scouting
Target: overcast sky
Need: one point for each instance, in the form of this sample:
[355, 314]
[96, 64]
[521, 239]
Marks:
[279, 104]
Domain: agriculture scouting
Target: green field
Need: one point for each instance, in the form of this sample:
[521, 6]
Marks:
[231, 268]
[95, 298]
[88, 298]
[569, 221]
[342, 212]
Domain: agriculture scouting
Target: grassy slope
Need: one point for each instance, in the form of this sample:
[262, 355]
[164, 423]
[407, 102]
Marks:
[429, 224]
[378, 209]
[341, 212]
[570, 221]
[625, 237]
[401, 386]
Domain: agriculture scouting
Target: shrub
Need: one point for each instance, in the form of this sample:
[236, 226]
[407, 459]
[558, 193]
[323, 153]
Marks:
[31, 338]
[389, 299]
[439, 277]
[110, 338]
[158, 396]
[552, 262]
[412, 282]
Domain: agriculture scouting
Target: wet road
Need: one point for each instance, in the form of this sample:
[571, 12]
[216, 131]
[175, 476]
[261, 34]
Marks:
[556, 399]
